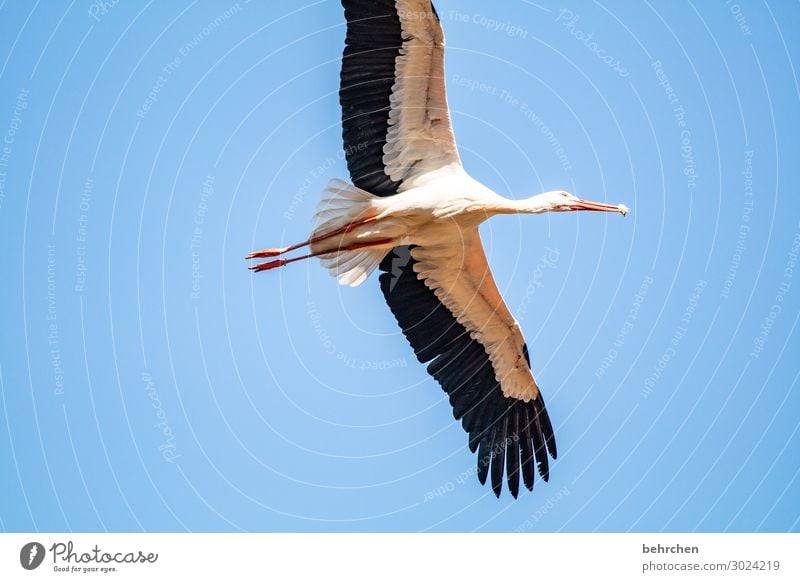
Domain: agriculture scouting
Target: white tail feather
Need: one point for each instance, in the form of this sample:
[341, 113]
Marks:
[353, 267]
[341, 204]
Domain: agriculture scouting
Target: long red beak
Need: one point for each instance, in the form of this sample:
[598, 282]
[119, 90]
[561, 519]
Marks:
[599, 207]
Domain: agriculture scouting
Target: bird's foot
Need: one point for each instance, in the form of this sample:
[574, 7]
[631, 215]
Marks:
[263, 254]
[268, 265]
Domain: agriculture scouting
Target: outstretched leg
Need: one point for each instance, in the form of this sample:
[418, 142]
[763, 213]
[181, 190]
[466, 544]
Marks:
[266, 253]
[282, 262]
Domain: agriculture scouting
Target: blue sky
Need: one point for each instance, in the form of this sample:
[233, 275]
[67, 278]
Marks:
[150, 382]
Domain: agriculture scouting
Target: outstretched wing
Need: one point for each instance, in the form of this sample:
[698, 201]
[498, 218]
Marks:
[398, 135]
[395, 122]
[449, 308]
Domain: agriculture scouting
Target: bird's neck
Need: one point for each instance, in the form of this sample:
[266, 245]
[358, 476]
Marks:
[533, 205]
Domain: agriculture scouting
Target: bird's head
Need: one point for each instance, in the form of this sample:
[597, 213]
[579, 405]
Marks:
[560, 201]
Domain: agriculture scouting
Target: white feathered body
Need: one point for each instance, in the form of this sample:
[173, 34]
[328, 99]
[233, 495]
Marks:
[418, 216]
[440, 218]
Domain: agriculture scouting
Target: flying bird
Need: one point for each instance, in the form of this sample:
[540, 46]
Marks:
[412, 211]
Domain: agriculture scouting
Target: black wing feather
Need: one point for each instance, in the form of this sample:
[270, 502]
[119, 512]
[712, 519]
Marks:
[512, 456]
[526, 449]
[499, 454]
[373, 42]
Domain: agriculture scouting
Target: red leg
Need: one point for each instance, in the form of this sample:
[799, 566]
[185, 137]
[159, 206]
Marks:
[281, 250]
[283, 262]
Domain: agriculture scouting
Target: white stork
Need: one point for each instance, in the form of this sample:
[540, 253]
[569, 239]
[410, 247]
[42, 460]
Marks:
[413, 212]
